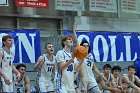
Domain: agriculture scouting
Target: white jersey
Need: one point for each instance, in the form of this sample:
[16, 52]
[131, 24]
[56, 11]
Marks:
[116, 80]
[87, 69]
[68, 73]
[19, 86]
[132, 79]
[47, 69]
[7, 62]
[108, 79]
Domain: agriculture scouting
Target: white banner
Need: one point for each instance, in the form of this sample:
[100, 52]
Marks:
[130, 6]
[71, 5]
[4, 3]
[103, 5]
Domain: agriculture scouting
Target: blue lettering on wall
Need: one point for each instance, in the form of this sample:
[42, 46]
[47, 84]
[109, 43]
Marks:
[111, 46]
[26, 45]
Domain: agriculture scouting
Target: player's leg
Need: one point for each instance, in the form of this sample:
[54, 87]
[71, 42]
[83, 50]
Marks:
[42, 87]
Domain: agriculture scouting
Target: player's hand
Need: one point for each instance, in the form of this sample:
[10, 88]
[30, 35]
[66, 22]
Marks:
[40, 64]
[85, 90]
[103, 77]
[116, 90]
[120, 87]
[19, 76]
[81, 60]
[7, 81]
[74, 26]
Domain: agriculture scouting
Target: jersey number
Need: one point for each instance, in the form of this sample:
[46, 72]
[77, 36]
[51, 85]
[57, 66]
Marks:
[70, 68]
[18, 90]
[89, 63]
[50, 69]
[10, 63]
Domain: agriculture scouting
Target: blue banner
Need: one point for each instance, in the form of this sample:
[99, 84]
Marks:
[26, 45]
[111, 46]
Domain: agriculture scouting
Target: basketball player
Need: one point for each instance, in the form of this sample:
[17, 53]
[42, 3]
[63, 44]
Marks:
[66, 66]
[129, 80]
[116, 70]
[87, 67]
[23, 85]
[109, 84]
[6, 62]
[45, 67]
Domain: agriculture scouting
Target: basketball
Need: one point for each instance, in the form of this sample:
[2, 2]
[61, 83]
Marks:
[80, 52]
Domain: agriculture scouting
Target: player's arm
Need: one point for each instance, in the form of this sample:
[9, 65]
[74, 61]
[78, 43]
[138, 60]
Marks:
[6, 79]
[27, 85]
[112, 81]
[16, 72]
[83, 81]
[39, 63]
[137, 80]
[1, 71]
[74, 33]
[78, 66]
[105, 87]
[96, 70]
[63, 65]
[127, 81]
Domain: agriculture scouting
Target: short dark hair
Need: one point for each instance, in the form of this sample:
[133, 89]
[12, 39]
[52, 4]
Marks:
[131, 66]
[106, 66]
[85, 41]
[20, 65]
[116, 68]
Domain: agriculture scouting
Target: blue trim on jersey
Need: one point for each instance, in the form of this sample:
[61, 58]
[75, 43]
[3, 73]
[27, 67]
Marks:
[93, 87]
[66, 54]
[3, 48]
